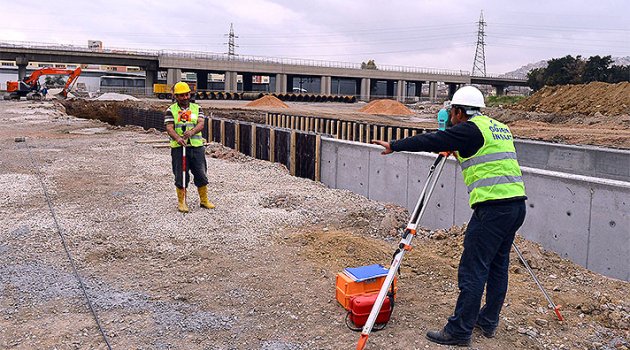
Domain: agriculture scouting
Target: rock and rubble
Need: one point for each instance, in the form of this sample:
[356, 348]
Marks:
[258, 272]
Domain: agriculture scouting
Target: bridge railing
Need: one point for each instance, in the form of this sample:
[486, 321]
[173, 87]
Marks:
[238, 58]
[309, 62]
[497, 75]
[59, 47]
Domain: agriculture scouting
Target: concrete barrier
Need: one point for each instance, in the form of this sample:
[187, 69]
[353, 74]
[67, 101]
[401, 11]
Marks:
[582, 160]
[584, 219]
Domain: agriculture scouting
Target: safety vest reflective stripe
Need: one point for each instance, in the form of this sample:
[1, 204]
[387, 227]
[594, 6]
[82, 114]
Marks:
[488, 158]
[493, 172]
[192, 137]
[197, 139]
[491, 181]
[187, 125]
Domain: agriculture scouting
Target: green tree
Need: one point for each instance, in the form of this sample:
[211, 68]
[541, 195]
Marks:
[596, 69]
[369, 65]
[617, 74]
[536, 78]
[565, 70]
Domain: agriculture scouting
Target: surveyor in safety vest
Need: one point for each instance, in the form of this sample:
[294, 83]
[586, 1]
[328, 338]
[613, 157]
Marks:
[184, 122]
[485, 150]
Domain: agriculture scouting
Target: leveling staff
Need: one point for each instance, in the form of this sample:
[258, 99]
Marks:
[485, 150]
[181, 116]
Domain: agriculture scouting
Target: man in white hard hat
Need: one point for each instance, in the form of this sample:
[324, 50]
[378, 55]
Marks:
[485, 150]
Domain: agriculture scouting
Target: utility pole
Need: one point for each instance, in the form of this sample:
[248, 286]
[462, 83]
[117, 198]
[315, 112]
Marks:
[479, 65]
[231, 44]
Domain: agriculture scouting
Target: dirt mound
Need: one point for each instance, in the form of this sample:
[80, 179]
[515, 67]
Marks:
[267, 101]
[588, 300]
[590, 99]
[387, 107]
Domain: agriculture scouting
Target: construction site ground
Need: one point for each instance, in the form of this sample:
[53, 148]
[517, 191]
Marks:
[257, 272]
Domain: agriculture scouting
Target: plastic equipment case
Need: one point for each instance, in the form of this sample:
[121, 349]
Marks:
[348, 288]
[361, 306]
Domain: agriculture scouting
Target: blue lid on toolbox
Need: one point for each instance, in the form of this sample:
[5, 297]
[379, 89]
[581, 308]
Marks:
[363, 273]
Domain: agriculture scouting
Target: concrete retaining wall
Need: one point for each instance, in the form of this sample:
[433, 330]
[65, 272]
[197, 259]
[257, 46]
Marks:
[593, 161]
[582, 218]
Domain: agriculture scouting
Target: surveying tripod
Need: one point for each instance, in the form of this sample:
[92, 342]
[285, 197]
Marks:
[404, 245]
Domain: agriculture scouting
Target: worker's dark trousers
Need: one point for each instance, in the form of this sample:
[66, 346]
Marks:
[195, 164]
[484, 263]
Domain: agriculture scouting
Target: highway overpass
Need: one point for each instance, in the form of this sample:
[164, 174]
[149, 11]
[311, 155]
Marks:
[281, 70]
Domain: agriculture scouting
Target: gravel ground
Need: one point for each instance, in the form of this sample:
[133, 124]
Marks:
[257, 272]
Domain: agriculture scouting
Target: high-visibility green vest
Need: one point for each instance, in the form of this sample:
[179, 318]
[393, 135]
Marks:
[493, 172]
[197, 139]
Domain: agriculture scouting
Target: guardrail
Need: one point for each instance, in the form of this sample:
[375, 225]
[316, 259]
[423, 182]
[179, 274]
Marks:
[236, 58]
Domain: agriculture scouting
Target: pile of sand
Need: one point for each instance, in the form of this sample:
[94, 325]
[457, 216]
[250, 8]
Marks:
[386, 107]
[267, 101]
[592, 98]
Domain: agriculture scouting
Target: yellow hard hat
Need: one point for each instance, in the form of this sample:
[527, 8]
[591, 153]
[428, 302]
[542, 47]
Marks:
[181, 88]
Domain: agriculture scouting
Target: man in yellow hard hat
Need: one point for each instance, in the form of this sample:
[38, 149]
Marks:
[184, 122]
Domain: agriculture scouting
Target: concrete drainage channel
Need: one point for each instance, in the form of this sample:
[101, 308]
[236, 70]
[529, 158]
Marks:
[579, 193]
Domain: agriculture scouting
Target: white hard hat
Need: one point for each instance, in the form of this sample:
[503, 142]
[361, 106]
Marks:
[468, 96]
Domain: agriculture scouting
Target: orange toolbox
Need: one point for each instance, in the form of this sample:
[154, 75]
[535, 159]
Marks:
[347, 287]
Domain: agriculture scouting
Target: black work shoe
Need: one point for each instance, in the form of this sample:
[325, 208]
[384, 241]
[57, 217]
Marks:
[485, 332]
[444, 338]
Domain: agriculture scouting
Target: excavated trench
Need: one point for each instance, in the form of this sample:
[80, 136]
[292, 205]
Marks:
[112, 112]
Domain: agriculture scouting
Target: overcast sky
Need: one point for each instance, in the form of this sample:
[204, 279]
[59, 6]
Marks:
[421, 33]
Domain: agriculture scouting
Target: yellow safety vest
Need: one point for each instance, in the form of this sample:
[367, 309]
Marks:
[197, 139]
[493, 172]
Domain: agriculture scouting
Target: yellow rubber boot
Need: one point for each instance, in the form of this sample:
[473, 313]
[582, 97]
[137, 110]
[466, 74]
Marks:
[203, 198]
[181, 200]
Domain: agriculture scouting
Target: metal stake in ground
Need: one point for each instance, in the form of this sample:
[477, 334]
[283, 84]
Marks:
[556, 308]
[184, 166]
[404, 245]
[184, 116]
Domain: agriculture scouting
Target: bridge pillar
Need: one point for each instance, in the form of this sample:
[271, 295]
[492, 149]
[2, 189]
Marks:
[173, 76]
[21, 62]
[432, 91]
[366, 85]
[150, 78]
[281, 83]
[401, 91]
[202, 79]
[390, 88]
[325, 85]
[451, 90]
[231, 82]
[500, 89]
[248, 82]
[418, 90]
